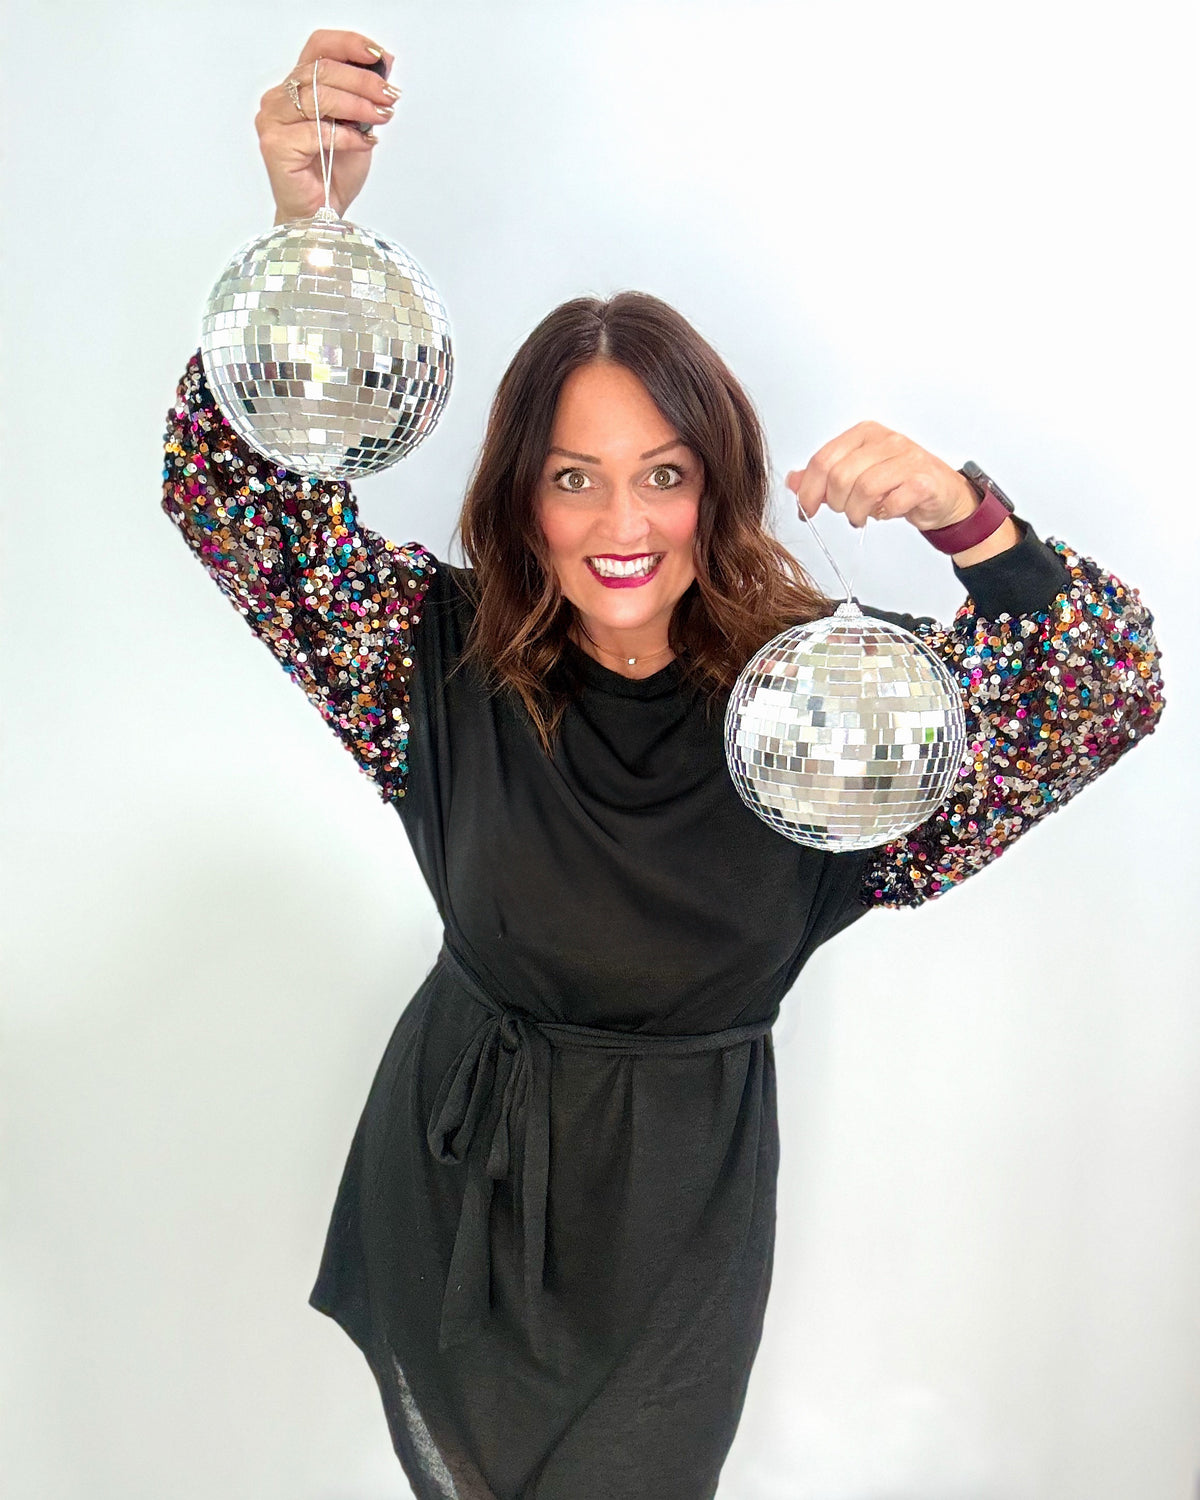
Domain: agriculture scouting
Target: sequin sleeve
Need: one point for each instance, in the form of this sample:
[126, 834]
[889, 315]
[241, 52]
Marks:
[336, 603]
[1054, 696]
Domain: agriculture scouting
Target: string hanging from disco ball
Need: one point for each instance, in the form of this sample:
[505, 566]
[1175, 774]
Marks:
[845, 732]
[326, 346]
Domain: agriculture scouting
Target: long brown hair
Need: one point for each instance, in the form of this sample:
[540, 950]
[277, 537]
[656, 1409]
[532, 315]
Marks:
[747, 588]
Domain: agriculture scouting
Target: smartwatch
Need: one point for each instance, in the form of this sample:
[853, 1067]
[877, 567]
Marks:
[994, 509]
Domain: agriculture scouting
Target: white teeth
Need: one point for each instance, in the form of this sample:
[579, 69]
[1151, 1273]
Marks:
[609, 567]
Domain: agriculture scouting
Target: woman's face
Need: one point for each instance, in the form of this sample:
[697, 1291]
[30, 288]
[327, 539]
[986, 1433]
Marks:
[618, 500]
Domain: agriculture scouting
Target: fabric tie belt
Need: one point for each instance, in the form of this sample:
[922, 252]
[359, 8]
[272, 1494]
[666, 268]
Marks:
[511, 1051]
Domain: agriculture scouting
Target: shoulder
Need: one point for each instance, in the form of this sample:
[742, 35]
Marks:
[453, 581]
[427, 575]
[446, 598]
[447, 586]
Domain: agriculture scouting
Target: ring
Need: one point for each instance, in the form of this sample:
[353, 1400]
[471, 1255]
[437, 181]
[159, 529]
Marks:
[293, 89]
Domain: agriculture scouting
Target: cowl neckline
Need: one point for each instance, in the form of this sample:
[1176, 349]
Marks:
[658, 685]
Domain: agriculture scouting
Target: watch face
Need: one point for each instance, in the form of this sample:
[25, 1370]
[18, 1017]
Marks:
[984, 482]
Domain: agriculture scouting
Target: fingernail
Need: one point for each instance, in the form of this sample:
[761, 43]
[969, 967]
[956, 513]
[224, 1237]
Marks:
[373, 49]
[391, 91]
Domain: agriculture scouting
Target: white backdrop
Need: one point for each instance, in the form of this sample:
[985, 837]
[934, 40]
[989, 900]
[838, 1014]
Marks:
[975, 224]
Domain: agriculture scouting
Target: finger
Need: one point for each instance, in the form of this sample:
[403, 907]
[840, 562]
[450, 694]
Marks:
[342, 46]
[336, 104]
[852, 478]
[889, 489]
[794, 479]
[343, 93]
[290, 145]
[812, 490]
[860, 449]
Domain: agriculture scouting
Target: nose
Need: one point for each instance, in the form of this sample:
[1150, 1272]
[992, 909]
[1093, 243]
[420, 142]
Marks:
[626, 522]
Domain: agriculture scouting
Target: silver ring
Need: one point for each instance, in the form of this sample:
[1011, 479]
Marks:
[293, 89]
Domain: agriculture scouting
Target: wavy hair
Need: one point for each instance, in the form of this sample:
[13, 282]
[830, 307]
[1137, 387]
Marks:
[747, 588]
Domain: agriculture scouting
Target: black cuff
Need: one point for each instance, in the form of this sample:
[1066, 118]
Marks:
[1021, 581]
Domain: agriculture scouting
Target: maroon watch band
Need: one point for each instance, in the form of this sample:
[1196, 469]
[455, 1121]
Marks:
[993, 510]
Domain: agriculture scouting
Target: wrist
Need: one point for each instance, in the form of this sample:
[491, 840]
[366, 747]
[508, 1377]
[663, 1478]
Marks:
[981, 525]
[1004, 537]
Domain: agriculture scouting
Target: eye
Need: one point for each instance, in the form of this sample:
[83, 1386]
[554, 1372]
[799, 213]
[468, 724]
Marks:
[577, 480]
[574, 473]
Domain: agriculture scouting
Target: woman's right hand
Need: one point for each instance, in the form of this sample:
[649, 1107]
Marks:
[289, 143]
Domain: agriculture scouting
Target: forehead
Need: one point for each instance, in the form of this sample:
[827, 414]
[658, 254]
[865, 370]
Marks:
[604, 408]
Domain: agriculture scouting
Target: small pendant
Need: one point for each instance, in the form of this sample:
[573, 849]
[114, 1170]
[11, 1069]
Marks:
[632, 660]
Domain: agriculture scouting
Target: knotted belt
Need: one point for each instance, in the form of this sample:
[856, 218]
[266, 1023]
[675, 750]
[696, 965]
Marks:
[511, 1051]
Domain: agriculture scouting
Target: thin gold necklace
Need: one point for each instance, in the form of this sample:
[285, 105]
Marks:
[631, 661]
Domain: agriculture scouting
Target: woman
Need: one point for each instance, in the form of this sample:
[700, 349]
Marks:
[553, 1236]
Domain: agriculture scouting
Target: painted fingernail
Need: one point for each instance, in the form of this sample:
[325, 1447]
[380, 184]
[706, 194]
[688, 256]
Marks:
[384, 114]
[373, 49]
[391, 91]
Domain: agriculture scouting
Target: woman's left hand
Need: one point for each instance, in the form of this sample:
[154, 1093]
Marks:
[872, 471]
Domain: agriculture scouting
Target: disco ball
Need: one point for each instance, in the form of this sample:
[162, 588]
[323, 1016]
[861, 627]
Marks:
[846, 732]
[327, 348]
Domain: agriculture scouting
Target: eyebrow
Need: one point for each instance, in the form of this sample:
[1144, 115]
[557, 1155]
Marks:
[589, 458]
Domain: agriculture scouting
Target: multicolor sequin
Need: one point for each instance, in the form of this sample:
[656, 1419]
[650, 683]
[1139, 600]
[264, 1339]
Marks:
[336, 603]
[1053, 699]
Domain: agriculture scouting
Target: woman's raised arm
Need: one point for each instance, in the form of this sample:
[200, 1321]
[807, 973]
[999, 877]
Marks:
[1060, 676]
[335, 602]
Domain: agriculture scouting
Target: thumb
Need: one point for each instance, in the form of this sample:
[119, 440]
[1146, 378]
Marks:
[794, 476]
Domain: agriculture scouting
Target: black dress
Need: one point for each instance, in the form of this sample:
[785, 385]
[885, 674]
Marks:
[553, 1235]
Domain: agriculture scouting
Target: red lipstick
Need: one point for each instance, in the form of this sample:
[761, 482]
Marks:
[633, 581]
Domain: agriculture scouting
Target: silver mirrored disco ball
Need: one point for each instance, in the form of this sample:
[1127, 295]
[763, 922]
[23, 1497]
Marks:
[327, 348]
[845, 732]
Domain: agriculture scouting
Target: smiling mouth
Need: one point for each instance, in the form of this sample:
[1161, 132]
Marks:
[633, 569]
